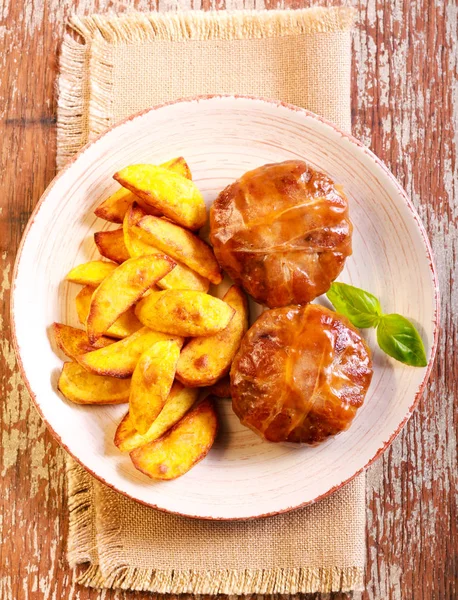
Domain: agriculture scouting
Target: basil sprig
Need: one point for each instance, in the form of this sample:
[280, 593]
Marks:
[396, 335]
[361, 308]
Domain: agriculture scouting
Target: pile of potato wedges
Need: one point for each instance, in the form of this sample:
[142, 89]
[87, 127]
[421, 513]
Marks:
[152, 336]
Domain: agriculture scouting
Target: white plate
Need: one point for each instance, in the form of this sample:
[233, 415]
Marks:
[221, 138]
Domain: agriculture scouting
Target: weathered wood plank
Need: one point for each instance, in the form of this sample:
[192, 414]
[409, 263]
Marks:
[405, 106]
[405, 79]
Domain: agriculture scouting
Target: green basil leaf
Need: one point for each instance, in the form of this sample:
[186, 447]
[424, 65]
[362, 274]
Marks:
[360, 307]
[398, 337]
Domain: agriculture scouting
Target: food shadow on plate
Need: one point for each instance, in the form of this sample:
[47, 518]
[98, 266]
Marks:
[421, 330]
[222, 440]
[57, 351]
[88, 247]
[384, 377]
[65, 292]
[125, 469]
[112, 421]
[67, 314]
[55, 373]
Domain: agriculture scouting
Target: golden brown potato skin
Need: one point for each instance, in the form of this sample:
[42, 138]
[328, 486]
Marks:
[282, 232]
[300, 375]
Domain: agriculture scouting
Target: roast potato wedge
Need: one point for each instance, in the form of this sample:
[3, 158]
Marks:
[120, 359]
[82, 387]
[222, 388]
[181, 277]
[179, 166]
[73, 341]
[178, 402]
[111, 245]
[125, 325]
[115, 207]
[91, 273]
[134, 239]
[181, 245]
[183, 446]
[204, 360]
[184, 312]
[83, 302]
[151, 383]
[122, 288]
[171, 194]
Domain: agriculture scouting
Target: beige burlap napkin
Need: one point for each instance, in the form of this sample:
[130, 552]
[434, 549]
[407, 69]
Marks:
[131, 62]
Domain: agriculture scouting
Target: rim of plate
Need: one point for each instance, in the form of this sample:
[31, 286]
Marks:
[347, 136]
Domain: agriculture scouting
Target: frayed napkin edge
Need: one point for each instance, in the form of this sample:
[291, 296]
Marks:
[138, 27]
[261, 582]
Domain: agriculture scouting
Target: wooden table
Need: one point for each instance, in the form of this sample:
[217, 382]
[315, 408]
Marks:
[405, 107]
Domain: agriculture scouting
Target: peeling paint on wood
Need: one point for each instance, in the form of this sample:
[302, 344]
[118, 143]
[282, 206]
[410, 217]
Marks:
[403, 99]
[405, 107]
